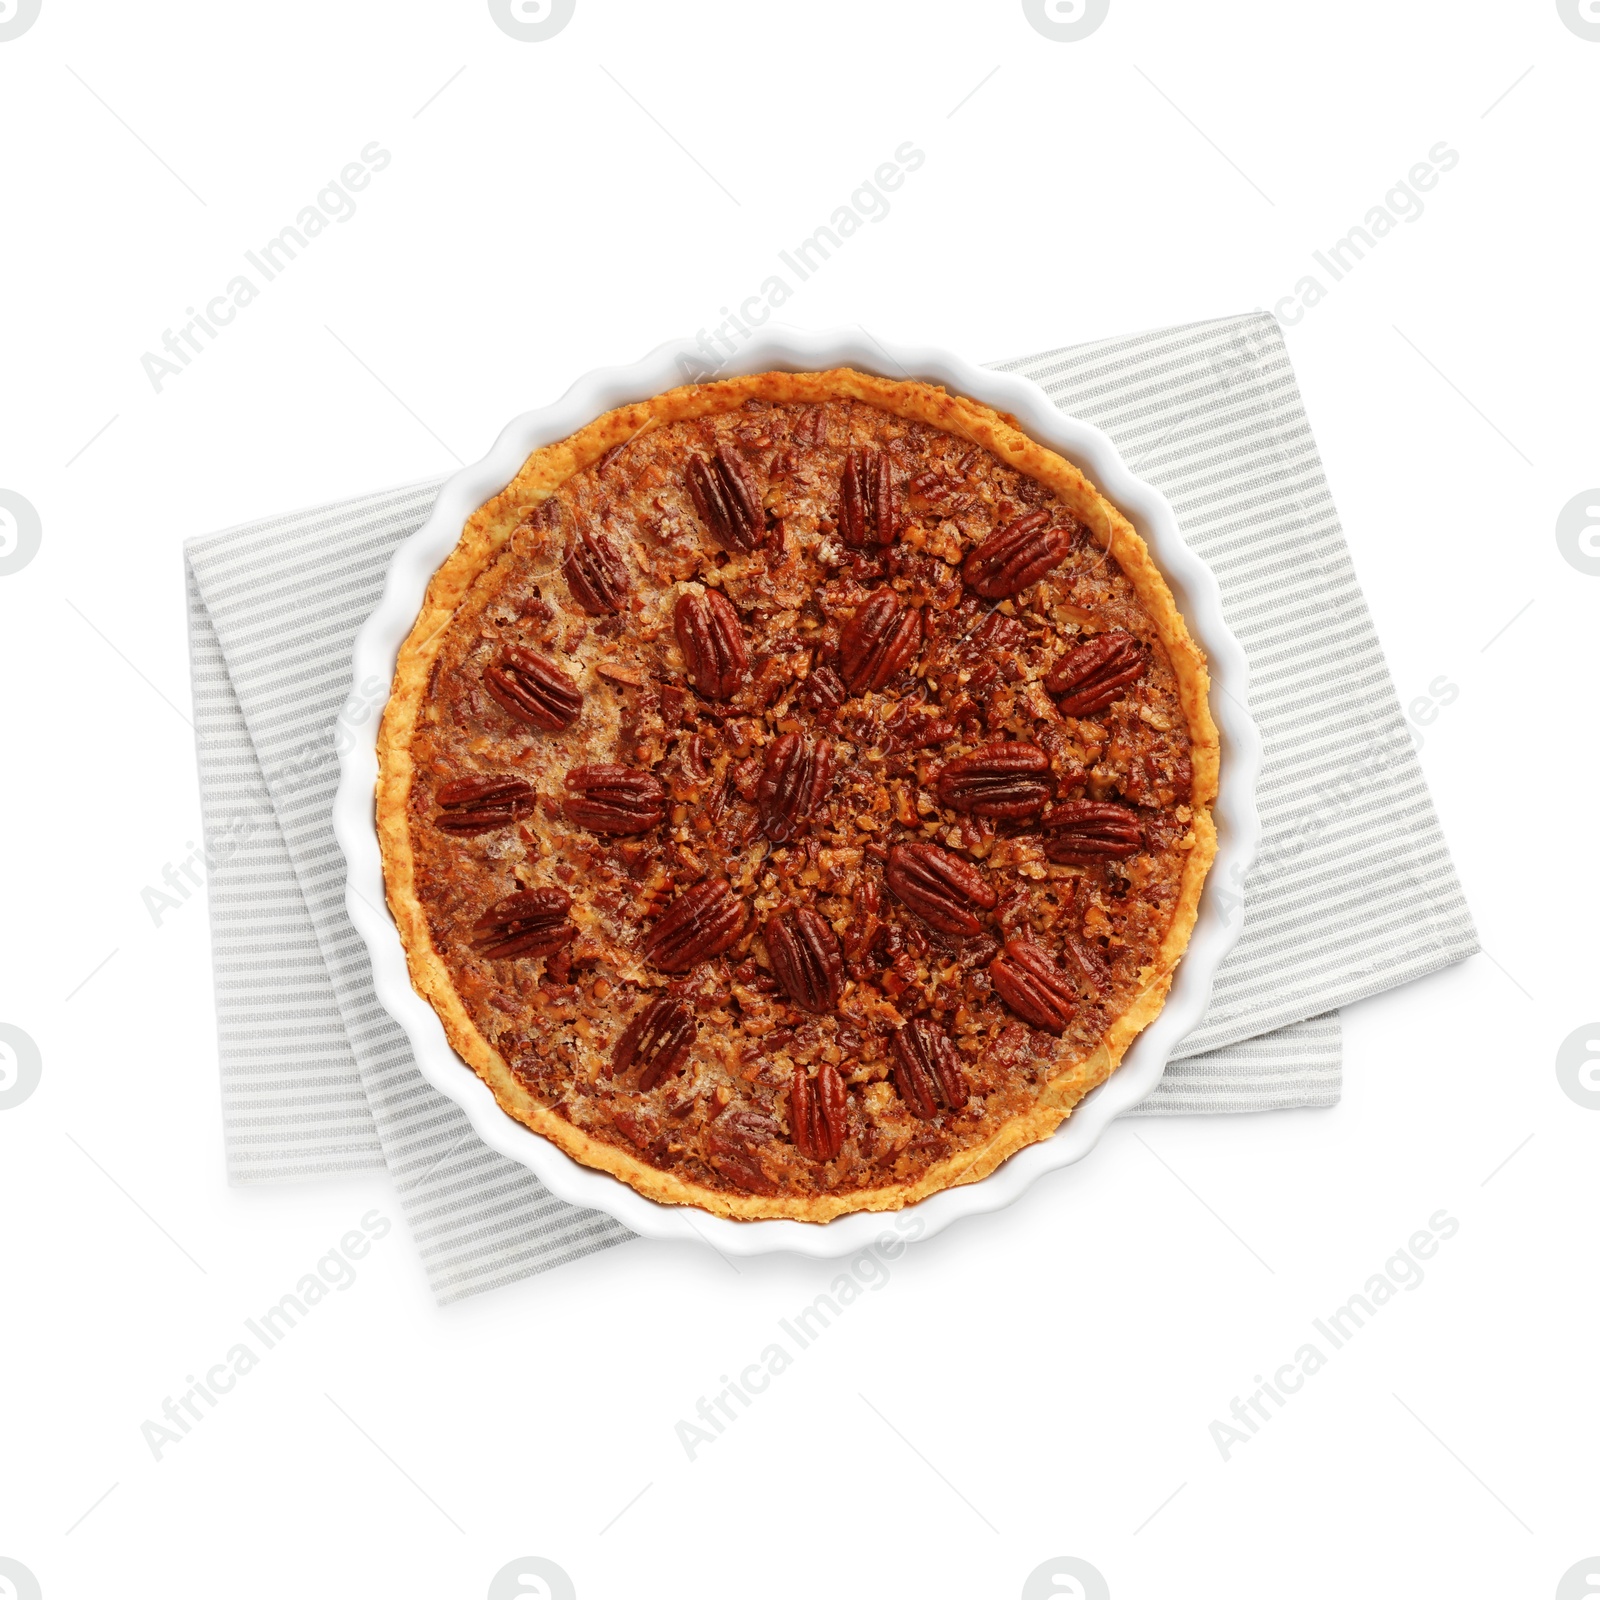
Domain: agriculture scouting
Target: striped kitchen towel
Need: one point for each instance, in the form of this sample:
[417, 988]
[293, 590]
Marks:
[1353, 891]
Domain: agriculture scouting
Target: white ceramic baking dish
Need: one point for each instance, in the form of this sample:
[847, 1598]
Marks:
[1238, 827]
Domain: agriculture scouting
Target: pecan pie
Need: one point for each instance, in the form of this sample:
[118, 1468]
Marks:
[795, 794]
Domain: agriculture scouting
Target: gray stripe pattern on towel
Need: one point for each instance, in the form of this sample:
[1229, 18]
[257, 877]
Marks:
[293, 1105]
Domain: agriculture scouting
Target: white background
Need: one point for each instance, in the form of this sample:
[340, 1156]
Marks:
[1032, 1384]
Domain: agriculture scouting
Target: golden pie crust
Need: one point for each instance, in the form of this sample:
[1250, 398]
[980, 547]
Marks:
[433, 901]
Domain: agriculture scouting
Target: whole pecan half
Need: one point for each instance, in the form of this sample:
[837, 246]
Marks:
[824, 693]
[532, 922]
[868, 510]
[702, 922]
[533, 689]
[606, 798]
[927, 1068]
[727, 501]
[794, 782]
[656, 1042]
[1086, 831]
[1007, 781]
[818, 1108]
[1033, 986]
[711, 638]
[475, 805]
[1016, 555]
[734, 1146]
[595, 573]
[1091, 964]
[805, 958]
[865, 925]
[1092, 676]
[880, 640]
[945, 891]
